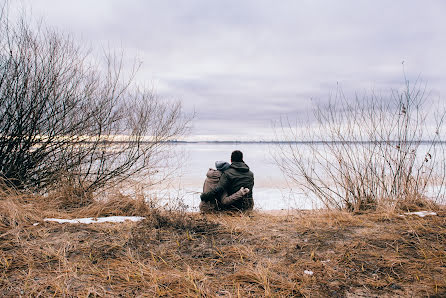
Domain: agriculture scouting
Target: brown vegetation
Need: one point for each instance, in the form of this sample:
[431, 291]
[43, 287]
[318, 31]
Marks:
[179, 254]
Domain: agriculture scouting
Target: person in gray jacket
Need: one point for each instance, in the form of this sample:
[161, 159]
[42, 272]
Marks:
[236, 178]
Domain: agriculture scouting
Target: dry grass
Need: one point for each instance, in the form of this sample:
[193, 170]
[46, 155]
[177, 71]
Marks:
[190, 255]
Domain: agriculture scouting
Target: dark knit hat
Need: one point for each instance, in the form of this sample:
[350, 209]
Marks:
[222, 165]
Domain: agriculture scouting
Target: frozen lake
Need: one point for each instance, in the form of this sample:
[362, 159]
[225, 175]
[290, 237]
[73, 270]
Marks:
[271, 191]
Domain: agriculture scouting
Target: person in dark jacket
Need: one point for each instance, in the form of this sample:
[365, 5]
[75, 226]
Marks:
[212, 178]
[234, 179]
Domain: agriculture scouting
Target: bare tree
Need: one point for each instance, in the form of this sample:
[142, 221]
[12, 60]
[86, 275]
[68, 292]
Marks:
[368, 151]
[62, 117]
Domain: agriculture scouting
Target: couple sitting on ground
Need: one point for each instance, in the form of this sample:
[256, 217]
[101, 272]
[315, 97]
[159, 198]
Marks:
[229, 187]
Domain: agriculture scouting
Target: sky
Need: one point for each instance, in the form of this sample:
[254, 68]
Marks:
[240, 65]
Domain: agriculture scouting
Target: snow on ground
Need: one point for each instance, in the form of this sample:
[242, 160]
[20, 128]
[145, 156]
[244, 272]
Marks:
[308, 272]
[264, 198]
[421, 213]
[90, 220]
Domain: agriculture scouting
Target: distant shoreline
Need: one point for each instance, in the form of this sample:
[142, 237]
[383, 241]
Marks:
[422, 142]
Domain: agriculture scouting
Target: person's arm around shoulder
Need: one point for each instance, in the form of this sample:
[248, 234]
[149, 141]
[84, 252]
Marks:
[217, 191]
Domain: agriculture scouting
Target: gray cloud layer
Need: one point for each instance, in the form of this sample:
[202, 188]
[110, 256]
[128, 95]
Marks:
[241, 64]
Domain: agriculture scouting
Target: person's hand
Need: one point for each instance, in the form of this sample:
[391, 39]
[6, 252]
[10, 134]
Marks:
[244, 190]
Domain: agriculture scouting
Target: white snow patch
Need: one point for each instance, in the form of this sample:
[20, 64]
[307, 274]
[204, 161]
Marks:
[326, 261]
[421, 213]
[308, 272]
[90, 220]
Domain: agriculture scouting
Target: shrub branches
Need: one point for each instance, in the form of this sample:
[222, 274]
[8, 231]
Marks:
[61, 117]
[368, 151]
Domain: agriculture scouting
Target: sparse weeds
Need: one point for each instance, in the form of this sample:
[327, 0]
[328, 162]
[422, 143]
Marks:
[368, 152]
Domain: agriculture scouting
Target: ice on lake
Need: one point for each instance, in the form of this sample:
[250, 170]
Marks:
[271, 190]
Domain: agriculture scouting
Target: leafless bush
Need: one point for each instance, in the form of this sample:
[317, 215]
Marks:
[368, 151]
[63, 118]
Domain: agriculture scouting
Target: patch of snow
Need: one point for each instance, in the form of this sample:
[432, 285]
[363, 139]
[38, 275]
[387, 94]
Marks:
[90, 220]
[421, 213]
[308, 272]
[35, 224]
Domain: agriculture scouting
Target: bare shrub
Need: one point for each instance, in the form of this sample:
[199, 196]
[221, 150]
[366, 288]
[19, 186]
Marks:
[63, 117]
[369, 151]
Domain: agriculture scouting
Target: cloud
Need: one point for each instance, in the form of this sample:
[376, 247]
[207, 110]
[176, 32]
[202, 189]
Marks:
[241, 64]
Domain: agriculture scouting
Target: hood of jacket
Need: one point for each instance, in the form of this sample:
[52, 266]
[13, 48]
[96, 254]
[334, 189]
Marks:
[240, 166]
[222, 165]
[213, 174]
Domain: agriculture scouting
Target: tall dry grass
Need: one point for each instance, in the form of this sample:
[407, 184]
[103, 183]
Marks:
[177, 254]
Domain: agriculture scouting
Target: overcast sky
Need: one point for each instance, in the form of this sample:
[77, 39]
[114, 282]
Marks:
[242, 64]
